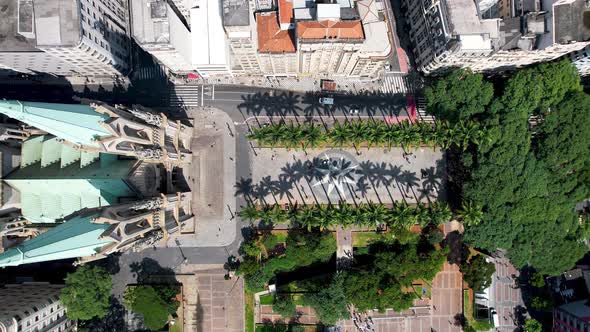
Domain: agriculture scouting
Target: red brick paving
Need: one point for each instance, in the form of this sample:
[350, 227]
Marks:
[447, 298]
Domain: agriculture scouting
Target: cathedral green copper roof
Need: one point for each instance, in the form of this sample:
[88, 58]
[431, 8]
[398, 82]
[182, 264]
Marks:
[51, 188]
[77, 237]
[78, 124]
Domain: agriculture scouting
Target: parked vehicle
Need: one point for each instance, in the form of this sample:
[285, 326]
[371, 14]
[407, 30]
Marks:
[327, 101]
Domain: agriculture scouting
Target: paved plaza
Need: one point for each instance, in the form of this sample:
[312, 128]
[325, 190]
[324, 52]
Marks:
[427, 315]
[220, 306]
[378, 175]
[211, 179]
[504, 296]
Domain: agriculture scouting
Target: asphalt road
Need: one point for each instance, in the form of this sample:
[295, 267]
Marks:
[240, 103]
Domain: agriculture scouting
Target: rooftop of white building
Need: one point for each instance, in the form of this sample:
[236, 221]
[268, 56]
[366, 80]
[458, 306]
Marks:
[207, 33]
[12, 20]
[57, 22]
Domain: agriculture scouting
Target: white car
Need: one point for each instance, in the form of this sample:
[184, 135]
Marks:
[327, 101]
[354, 111]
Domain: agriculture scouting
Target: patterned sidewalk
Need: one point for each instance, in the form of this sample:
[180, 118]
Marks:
[288, 83]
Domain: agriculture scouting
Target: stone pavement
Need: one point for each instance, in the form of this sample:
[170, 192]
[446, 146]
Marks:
[379, 175]
[504, 296]
[304, 84]
[427, 315]
[344, 252]
[220, 306]
[212, 178]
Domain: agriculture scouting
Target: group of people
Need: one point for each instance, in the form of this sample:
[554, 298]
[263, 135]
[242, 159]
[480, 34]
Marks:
[363, 323]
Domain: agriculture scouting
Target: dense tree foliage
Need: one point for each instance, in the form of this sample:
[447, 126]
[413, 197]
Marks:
[459, 96]
[154, 303]
[284, 306]
[527, 181]
[371, 215]
[329, 303]
[532, 325]
[303, 249]
[478, 273]
[86, 293]
[384, 283]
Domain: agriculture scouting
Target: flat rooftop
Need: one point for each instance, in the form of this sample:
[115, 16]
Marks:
[271, 39]
[236, 13]
[10, 40]
[150, 21]
[569, 18]
[464, 19]
[57, 22]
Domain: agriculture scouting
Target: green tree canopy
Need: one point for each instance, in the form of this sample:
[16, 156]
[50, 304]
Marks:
[459, 96]
[525, 181]
[330, 302]
[478, 273]
[148, 302]
[385, 283]
[86, 293]
[532, 325]
[284, 306]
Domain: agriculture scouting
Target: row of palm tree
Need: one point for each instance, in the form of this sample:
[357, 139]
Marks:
[369, 215]
[372, 134]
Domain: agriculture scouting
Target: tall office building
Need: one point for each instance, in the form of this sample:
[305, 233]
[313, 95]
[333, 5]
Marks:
[66, 37]
[161, 31]
[30, 307]
[510, 34]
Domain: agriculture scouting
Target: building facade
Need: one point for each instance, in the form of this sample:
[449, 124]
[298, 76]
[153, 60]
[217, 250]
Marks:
[572, 317]
[30, 307]
[87, 38]
[93, 180]
[240, 27]
[163, 33]
[307, 39]
[454, 33]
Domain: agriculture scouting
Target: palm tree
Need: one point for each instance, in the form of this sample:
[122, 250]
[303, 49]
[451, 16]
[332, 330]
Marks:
[306, 217]
[358, 132]
[258, 134]
[292, 136]
[314, 136]
[440, 213]
[376, 214]
[278, 215]
[403, 215]
[344, 215]
[376, 134]
[276, 134]
[422, 214]
[393, 136]
[249, 212]
[339, 135]
[471, 213]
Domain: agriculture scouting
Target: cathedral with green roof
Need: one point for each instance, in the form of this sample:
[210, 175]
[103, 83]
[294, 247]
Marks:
[86, 173]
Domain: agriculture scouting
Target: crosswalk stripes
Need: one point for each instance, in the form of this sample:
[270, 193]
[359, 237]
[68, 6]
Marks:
[184, 95]
[151, 72]
[422, 115]
[397, 84]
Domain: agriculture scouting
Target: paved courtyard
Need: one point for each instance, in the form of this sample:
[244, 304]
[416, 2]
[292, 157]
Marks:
[220, 303]
[378, 175]
[427, 315]
[504, 296]
[211, 178]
